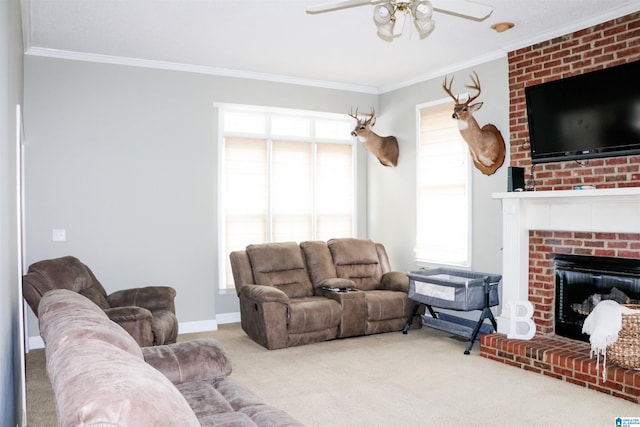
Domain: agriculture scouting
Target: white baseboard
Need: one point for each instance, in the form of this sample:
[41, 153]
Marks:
[198, 326]
[225, 318]
[35, 342]
[184, 328]
[209, 325]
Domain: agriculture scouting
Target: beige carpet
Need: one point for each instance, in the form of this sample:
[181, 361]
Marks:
[419, 379]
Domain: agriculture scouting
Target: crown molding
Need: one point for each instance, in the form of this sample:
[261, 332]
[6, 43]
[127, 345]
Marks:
[226, 72]
[173, 66]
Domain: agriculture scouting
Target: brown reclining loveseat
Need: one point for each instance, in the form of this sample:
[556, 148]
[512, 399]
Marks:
[293, 294]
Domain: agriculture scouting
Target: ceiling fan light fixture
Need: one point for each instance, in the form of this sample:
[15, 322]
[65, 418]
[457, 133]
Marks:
[424, 26]
[422, 10]
[387, 12]
[386, 31]
[383, 14]
[385, 19]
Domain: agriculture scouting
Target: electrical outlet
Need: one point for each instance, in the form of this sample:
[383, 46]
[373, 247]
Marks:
[59, 235]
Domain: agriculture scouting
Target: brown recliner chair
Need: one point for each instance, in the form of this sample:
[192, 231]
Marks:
[147, 314]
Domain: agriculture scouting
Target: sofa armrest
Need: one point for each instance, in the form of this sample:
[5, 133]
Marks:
[150, 297]
[194, 360]
[129, 313]
[395, 281]
[264, 312]
[135, 320]
[260, 293]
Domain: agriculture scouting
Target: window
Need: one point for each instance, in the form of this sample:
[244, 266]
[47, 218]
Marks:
[285, 176]
[443, 189]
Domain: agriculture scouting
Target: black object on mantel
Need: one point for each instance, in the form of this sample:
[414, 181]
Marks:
[515, 179]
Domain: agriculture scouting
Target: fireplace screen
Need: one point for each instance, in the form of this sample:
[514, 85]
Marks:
[583, 281]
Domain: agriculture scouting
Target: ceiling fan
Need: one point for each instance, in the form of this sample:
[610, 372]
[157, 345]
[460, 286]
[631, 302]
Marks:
[386, 13]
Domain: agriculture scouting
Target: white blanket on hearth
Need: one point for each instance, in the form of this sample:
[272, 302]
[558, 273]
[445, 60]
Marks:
[603, 325]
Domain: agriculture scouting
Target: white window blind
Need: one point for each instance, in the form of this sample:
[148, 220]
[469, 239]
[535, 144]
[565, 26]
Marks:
[285, 177]
[443, 189]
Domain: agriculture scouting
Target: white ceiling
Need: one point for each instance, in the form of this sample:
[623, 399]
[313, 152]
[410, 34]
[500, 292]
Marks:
[277, 40]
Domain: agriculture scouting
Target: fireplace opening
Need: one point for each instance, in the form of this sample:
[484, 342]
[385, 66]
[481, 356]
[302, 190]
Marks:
[583, 281]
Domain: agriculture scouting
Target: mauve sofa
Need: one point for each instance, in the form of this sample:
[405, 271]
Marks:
[285, 296]
[102, 377]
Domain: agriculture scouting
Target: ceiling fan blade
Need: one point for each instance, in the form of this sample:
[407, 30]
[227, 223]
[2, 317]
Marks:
[463, 8]
[336, 5]
[399, 27]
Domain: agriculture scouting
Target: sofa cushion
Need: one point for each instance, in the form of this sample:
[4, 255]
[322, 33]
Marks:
[281, 265]
[357, 260]
[385, 305]
[313, 314]
[244, 401]
[194, 360]
[204, 398]
[224, 402]
[319, 262]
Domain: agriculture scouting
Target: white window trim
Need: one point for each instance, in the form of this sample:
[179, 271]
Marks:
[469, 262]
[219, 109]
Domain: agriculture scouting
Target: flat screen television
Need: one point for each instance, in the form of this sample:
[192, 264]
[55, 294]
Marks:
[596, 114]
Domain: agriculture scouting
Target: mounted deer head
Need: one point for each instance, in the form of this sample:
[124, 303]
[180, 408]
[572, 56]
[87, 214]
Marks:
[486, 145]
[385, 148]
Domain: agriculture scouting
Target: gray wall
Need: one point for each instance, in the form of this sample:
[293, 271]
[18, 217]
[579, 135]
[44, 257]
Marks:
[11, 386]
[391, 192]
[125, 160]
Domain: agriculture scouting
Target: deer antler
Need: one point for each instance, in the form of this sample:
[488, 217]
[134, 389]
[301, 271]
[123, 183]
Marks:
[372, 117]
[448, 89]
[476, 86]
[368, 122]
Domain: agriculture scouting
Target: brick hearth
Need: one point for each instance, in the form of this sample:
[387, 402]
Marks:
[564, 359]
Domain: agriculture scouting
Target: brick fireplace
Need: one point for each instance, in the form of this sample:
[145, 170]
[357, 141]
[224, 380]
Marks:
[604, 45]
[537, 225]
[556, 219]
[542, 246]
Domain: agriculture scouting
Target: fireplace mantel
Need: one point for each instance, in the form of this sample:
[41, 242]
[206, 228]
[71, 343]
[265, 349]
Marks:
[613, 210]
